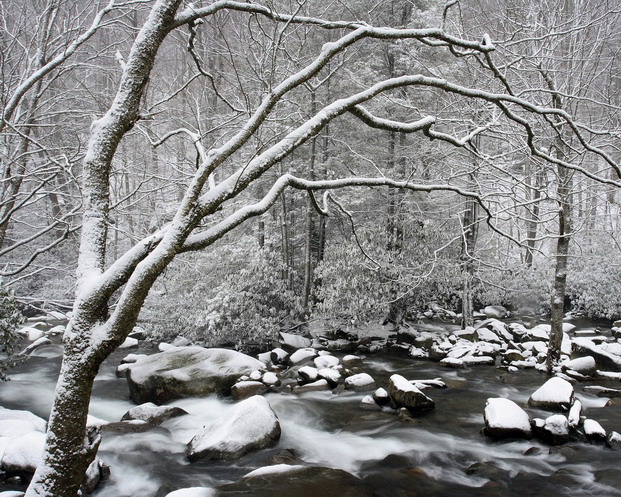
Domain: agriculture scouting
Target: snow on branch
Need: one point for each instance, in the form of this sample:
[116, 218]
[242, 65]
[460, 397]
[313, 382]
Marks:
[432, 36]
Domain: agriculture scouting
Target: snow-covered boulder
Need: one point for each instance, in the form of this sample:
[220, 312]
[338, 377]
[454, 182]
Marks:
[574, 414]
[554, 394]
[381, 397]
[504, 418]
[186, 372]
[152, 413]
[360, 382]
[308, 374]
[247, 426]
[291, 342]
[274, 469]
[332, 376]
[301, 356]
[279, 356]
[405, 394]
[326, 361]
[352, 361]
[193, 492]
[35, 422]
[315, 386]
[368, 404]
[244, 389]
[584, 365]
[614, 440]
[555, 429]
[593, 430]
[606, 358]
[22, 454]
[270, 379]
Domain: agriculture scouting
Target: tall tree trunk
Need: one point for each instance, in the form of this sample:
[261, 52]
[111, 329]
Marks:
[469, 239]
[557, 301]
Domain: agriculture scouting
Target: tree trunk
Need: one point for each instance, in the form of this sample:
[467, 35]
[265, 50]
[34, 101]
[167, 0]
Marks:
[69, 449]
[557, 301]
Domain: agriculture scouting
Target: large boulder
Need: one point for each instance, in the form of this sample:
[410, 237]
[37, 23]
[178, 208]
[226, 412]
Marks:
[249, 425]
[504, 418]
[554, 394]
[405, 394]
[495, 311]
[605, 357]
[187, 372]
[22, 454]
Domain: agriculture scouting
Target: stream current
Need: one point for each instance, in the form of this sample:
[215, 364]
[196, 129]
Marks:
[438, 453]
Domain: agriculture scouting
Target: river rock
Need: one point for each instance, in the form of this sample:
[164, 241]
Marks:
[332, 376]
[303, 481]
[248, 426]
[504, 419]
[554, 394]
[308, 373]
[584, 365]
[186, 372]
[326, 361]
[291, 342]
[368, 404]
[244, 389]
[14, 423]
[360, 382]
[593, 430]
[193, 492]
[270, 379]
[574, 414]
[22, 454]
[404, 394]
[352, 361]
[605, 359]
[614, 440]
[555, 429]
[279, 356]
[152, 413]
[302, 356]
[315, 386]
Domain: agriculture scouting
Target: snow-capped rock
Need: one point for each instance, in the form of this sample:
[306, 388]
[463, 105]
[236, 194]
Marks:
[593, 430]
[405, 394]
[22, 454]
[360, 382]
[244, 389]
[614, 440]
[326, 361]
[152, 413]
[556, 429]
[185, 372]
[270, 379]
[495, 311]
[308, 373]
[291, 342]
[279, 356]
[554, 394]
[247, 426]
[301, 356]
[574, 414]
[332, 376]
[193, 492]
[584, 365]
[504, 418]
[352, 361]
[315, 386]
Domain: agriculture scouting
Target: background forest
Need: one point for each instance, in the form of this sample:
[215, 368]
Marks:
[382, 253]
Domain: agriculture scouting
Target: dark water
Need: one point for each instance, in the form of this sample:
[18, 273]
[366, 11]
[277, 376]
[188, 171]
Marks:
[429, 456]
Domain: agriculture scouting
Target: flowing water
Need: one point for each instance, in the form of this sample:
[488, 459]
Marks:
[428, 456]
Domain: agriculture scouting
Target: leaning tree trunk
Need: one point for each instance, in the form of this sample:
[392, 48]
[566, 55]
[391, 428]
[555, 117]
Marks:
[90, 337]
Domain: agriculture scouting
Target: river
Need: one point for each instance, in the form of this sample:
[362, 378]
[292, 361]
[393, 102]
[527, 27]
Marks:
[438, 453]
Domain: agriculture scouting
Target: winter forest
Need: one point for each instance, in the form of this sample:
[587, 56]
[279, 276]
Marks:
[310, 248]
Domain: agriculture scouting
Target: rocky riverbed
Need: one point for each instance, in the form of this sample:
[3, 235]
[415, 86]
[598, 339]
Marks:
[431, 410]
